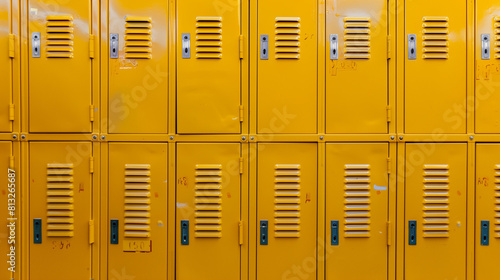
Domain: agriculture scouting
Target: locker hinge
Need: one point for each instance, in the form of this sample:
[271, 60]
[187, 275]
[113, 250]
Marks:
[241, 165]
[91, 167]
[11, 112]
[389, 47]
[389, 114]
[242, 41]
[240, 232]
[389, 233]
[91, 113]
[242, 113]
[91, 45]
[389, 163]
[12, 45]
[91, 232]
[11, 162]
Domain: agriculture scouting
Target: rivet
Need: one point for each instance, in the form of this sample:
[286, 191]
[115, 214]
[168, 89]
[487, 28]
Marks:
[392, 137]
[471, 137]
[14, 136]
[243, 138]
[94, 137]
[321, 138]
[23, 136]
[400, 137]
[171, 137]
[252, 138]
[103, 137]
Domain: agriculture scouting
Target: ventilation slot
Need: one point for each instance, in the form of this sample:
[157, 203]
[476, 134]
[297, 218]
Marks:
[137, 200]
[208, 201]
[60, 36]
[138, 40]
[497, 202]
[357, 200]
[357, 35]
[436, 201]
[497, 37]
[60, 200]
[435, 38]
[287, 38]
[287, 200]
[209, 37]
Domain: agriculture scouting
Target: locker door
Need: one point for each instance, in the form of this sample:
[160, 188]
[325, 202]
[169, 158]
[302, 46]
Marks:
[435, 202]
[60, 67]
[137, 210]
[488, 67]
[208, 67]
[286, 211]
[208, 211]
[287, 67]
[5, 65]
[487, 224]
[435, 66]
[357, 68]
[138, 66]
[357, 211]
[60, 210]
[5, 152]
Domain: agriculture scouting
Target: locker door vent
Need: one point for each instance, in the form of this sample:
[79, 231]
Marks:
[357, 200]
[287, 200]
[60, 221]
[209, 37]
[357, 35]
[60, 36]
[435, 38]
[138, 39]
[137, 201]
[436, 208]
[496, 31]
[287, 38]
[497, 202]
[208, 201]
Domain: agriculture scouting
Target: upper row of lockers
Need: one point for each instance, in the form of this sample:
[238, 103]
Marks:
[129, 67]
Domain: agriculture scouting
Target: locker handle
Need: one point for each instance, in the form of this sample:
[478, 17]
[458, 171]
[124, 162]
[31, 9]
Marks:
[186, 45]
[334, 46]
[335, 233]
[37, 231]
[264, 47]
[485, 46]
[184, 232]
[113, 45]
[263, 232]
[35, 44]
[485, 233]
[412, 233]
[412, 46]
[114, 232]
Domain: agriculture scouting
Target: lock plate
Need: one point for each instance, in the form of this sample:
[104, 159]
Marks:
[335, 233]
[264, 47]
[412, 46]
[186, 45]
[114, 40]
[114, 232]
[263, 232]
[412, 232]
[334, 46]
[35, 44]
[37, 231]
[485, 233]
[184, 232]
[485, 46]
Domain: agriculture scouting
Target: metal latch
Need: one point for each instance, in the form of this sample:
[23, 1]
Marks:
[114, 232]
[412, 46]
[263, 232]
[114, 40]
[485, 46]
[35, 44]
[264, 47]
[184, 232]
[412, 233]
[37, 231]
[186, 45]
[335, 232]
[485, 233]
[334, 46]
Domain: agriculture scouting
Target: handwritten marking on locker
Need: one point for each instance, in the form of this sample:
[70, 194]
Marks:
[342, 66]
[181, 205]
[379, 188]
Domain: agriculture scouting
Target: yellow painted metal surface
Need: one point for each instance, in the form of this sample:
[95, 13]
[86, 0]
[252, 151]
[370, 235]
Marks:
[287, 93]
[5, 213]
[137, 199]
[208, 82]
[5, 65]
[138, 78]
[488, 69]
[435, 82]
[436, 199]
[60, 195]
[287, 200]
[357, 76]
[208, 202]
[357, 194]
[60, 83]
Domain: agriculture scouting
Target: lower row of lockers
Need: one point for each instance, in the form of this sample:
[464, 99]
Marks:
[260, 211]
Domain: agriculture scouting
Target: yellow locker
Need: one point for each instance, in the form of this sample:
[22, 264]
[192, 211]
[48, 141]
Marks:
[436, 202]
[61, 226]
[10, 182]
[208, 67]
[286, 211]
[357, 66]
[435, 66]
[138, 66]
[357, 211]
[137, 191]
[287, 66]
[60, 66]
[208, 211]
[487, 66]
[5, 64]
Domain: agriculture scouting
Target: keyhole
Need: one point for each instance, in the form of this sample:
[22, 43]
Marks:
[335, 238]
[484, 238]
[37, 236]
[334, 51]
[412, 238]
[412, 51]
[186, 50]
[114, 236]
[36, 49]
[114, 50]
[264, 238]
[485, 51]
[264, 51]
